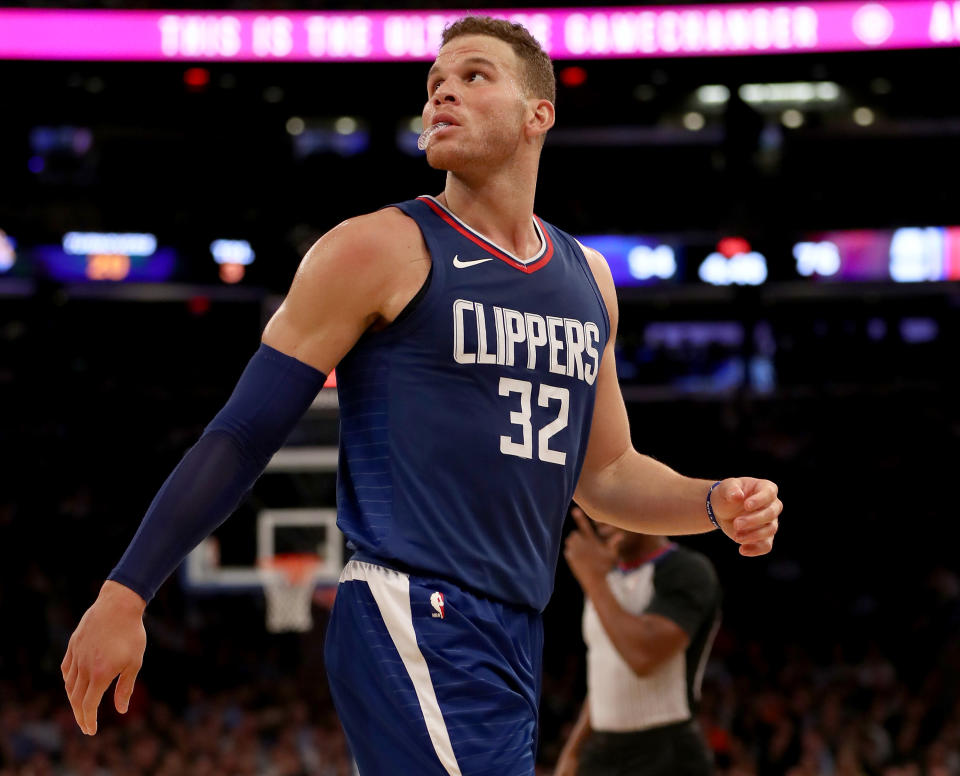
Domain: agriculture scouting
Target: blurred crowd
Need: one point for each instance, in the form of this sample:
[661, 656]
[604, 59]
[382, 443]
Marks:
[229, 734]
[218, 696]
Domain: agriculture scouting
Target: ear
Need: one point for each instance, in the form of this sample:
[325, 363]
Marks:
[541, 119]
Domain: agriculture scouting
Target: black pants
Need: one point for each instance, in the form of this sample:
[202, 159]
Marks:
[672, 750]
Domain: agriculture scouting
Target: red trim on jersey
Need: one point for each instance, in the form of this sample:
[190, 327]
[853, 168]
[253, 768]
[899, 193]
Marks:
[635, 564]
[489, 247]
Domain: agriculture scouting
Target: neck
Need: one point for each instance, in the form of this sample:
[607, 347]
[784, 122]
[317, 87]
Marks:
[498, 205]
[643, 549]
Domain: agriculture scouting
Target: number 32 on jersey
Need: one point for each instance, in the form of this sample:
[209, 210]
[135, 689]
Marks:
[547, 396]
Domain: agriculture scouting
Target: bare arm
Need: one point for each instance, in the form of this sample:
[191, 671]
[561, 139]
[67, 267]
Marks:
[569, 758]
[644, 641]
[625, 488]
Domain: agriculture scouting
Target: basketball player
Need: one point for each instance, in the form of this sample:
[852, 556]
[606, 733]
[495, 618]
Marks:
[478, 395]
[652, 611]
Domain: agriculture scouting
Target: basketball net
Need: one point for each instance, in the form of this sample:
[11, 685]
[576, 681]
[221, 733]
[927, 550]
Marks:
[288, 584]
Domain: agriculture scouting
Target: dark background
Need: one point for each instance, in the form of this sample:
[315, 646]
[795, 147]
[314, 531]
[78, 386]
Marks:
[844, 636]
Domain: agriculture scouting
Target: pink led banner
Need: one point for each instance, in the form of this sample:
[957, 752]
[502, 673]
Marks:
[570, 33]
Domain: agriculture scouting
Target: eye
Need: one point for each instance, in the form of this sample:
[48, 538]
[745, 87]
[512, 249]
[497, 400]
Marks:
[474, 74]
[434, 85]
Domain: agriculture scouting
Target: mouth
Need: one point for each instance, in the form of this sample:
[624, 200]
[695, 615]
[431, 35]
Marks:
[427, 135]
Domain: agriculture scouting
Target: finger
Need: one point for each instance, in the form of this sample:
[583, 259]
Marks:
[76, 699]
[731, 489]
[574, 543]
[755, 549]
[762, 493]
[67, 662]
[70, 681]
[744, 524]
[760, 534]
[124, 689]
[91, 700]
[583, 523]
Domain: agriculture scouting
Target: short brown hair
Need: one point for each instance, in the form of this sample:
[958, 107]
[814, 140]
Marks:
[539, 80]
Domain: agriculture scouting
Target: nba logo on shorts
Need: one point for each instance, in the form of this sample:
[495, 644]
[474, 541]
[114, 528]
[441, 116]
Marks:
[436, 601]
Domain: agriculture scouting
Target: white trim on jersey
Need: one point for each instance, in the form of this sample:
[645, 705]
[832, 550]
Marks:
[704, 658]
[391, 591]
[536, 225]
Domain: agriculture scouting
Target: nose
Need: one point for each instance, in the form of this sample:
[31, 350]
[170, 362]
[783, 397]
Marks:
[444, 95]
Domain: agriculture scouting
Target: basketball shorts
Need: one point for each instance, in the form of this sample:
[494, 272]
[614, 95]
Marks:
[431, 680]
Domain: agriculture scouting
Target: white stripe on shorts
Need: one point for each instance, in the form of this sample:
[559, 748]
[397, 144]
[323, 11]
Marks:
[391, 591]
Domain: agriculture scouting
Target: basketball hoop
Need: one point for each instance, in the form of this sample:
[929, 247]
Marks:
[288, 583]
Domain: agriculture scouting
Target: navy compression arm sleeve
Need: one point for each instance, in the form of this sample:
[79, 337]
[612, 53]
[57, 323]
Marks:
[217, 472]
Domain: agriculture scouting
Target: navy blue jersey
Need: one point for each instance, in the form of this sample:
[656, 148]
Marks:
[464, 424]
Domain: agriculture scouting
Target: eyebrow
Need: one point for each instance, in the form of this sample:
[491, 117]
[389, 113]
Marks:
[467, 62]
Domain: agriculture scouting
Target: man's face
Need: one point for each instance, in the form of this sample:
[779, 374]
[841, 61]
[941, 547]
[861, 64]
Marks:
[623, 543]
[476, 85]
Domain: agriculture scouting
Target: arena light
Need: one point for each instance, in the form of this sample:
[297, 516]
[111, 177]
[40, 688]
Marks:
[864, 116]
[8, 251]
[796, 92]
[817, 258]
[345, 125]
[717, 29]
[196, 78]
[108, 266]
[295, 126]
[792, 118]
[232, 252]
[912, 254]
[573, 76]
[694, 121]
[110, 243]
[917, 254]
[646, 262]
[713, 94]
[733, 263]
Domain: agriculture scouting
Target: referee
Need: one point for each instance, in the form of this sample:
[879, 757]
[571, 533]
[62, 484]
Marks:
[651, 614]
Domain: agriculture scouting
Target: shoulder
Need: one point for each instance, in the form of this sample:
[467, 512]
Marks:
[369, 239]
[380, 255]
[688, 566]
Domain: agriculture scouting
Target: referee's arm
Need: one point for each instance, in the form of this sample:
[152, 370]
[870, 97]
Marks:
[644, 641]
[569, 757]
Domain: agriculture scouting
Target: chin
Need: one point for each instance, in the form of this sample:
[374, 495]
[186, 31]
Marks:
[445, 158]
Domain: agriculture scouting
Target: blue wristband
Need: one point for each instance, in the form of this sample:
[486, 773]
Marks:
[710, 514]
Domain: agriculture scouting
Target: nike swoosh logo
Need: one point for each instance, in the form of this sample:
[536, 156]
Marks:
[461, 264]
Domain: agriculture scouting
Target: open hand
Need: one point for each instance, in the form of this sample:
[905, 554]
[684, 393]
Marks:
[108, 642]
[748, 511]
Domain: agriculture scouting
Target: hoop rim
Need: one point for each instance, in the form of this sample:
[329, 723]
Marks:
[297, 567]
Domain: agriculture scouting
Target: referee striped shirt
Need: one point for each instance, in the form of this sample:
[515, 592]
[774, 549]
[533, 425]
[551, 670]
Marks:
[682, 586]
